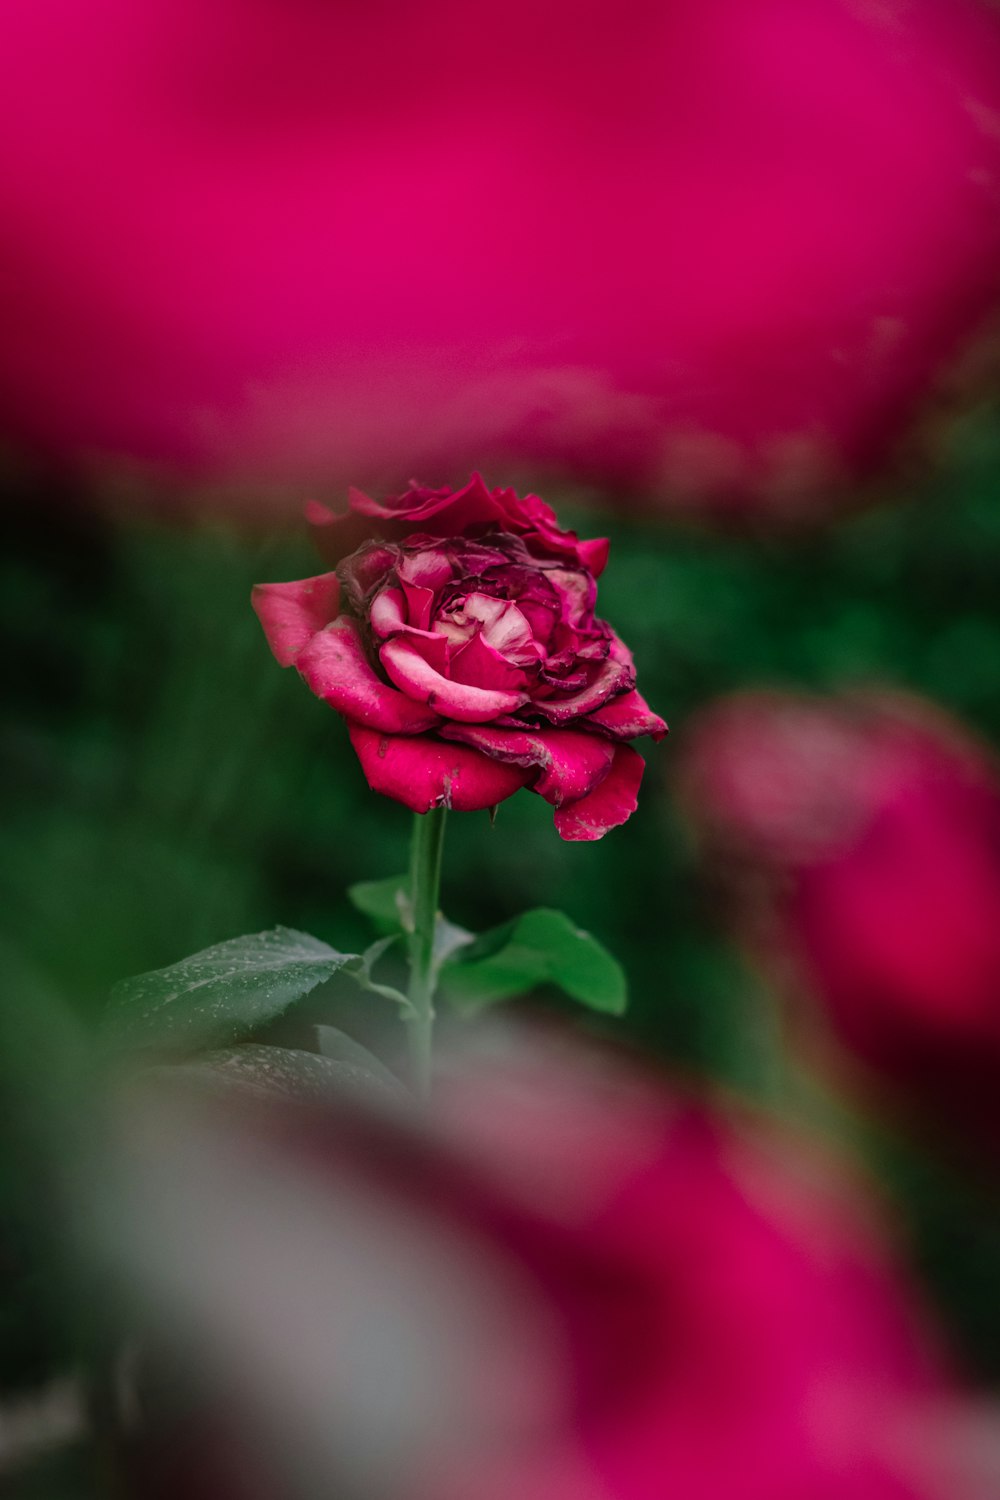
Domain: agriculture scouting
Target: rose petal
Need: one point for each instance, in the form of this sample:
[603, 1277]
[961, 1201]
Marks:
[423, 773]
[419, 603]
[535, 512]
[334, 665]
[446, 513]
[511, 635]
[611, 678]
[426, 570]
[441, 512]
[562, 680]
[541, 614]
[388, 614]
[387, 617]
[626, 717]
[503, 625]
[292, 613]
[611, 803]
[434, 649]
[479, 665]
[572, 763]
[577, 595]
[454, 700]
[594, 554]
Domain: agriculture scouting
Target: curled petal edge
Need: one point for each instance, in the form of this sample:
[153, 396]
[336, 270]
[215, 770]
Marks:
[292, 613]
[567, 763]
[611, 803]
[626, 717]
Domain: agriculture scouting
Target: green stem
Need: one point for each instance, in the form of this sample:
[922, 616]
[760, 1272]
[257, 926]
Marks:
[425, 881]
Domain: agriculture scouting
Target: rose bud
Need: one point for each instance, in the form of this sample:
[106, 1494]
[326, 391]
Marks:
[865, 835]
[567, 1282]
[460, 643]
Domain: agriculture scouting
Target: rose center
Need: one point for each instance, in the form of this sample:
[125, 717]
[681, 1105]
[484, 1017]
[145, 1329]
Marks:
[499, 622]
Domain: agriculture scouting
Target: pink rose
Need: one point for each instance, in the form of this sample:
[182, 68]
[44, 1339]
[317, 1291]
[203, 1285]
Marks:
[462, 648]
[871, 828]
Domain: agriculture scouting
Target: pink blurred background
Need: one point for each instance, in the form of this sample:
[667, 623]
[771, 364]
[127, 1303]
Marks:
[706, 251]
[858, 839]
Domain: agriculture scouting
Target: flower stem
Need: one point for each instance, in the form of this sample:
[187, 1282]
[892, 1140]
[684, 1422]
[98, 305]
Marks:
[425, 881]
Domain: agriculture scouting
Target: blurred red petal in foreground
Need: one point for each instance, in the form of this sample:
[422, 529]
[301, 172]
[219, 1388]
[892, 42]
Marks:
[713, 250]
[566, 1285]
[864, 838]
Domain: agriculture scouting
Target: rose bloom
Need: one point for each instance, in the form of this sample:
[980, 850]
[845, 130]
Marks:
[714, 250]
[577, 1284]
[460, 643]
[865, 837]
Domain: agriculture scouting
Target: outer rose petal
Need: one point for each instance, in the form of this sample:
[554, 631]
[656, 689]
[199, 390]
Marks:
[439, 512]
[292, 613]
[448, 513]
[335, 667]
[594, 554]
[626, 717]
[455, 700]
[423, 773]
[434, 512]
[572, 764]
[612, 802]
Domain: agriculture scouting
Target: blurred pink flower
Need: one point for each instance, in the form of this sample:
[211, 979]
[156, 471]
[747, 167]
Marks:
[663, 1301]
[872, 826]
[716, 249]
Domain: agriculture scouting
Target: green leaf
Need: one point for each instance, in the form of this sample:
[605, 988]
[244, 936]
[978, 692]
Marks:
[223, 992]
[341, 1048]
[285, 1072]
[540, 946]
[386, 902]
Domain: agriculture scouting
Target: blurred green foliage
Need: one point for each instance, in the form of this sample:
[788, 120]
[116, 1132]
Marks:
[165, 786]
